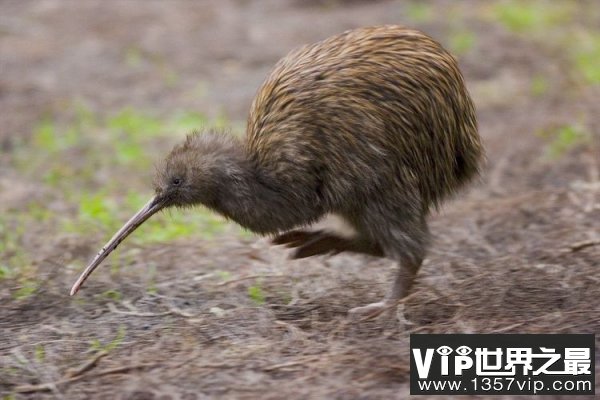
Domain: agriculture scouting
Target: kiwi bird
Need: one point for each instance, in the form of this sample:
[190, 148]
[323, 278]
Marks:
[373, 126]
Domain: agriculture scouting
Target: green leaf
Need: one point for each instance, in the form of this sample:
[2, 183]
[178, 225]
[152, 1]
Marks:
[134, 123]
[256, 294]
[532, 15]
[27, 289]
[419, 12]
[39, 353]
[539, 85]
[564, 139]
[462, 41]
[112, 294]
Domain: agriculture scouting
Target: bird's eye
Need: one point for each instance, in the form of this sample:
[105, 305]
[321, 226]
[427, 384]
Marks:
[176, 181]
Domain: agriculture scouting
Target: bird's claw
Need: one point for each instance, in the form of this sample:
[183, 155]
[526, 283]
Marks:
[371, 311]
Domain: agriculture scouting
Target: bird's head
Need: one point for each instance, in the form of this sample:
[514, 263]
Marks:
[195, 170]
[193, 173]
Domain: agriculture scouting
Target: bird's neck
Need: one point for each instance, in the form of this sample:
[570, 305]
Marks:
[247, 198]
[255, 199]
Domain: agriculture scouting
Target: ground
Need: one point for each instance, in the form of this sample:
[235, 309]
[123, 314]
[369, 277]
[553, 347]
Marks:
[93, 93]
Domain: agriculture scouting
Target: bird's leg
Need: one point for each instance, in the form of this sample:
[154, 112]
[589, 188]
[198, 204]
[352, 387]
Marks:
[404, 280]
[407, 271]
[400, 228]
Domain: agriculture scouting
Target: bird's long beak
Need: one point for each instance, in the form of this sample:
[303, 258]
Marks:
[149, 209]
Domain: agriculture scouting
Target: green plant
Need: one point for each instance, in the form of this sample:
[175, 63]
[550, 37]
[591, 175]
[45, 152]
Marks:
[587, 56]
[132, 129]
[419, 12]
[224, 275]
[99, 208]
[564, 139]
[14, 261]
[28, 288]
[133, 57]
[39, 353]
[112, 294]
[539, 85]
[96, 344]
[151, 282]
[187, 121]
[221, 121]
[85, 118]
[38, 211]
[462, 41]
[5, 272]
[532, 15]
[134, 123]
[49, 138]
[256, 294]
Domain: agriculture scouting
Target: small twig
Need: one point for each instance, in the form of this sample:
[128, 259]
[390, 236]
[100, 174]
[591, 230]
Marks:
[283, 365]
[45, 387]
[508, 328]
[24, 363]
[583, 244]
[88, 365]
[539, 318]
[172, 310]
[217, 366]
[292, 329]
[196, 278]
[115, 310]
[229, 282]
[177, 311]
[126, 368]
[290, 364]
[38, 373]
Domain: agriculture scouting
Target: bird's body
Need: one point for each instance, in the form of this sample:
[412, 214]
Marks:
[374, 125]
[363, 110]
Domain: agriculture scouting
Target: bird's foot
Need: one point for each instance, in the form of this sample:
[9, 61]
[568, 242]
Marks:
[371, 311]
